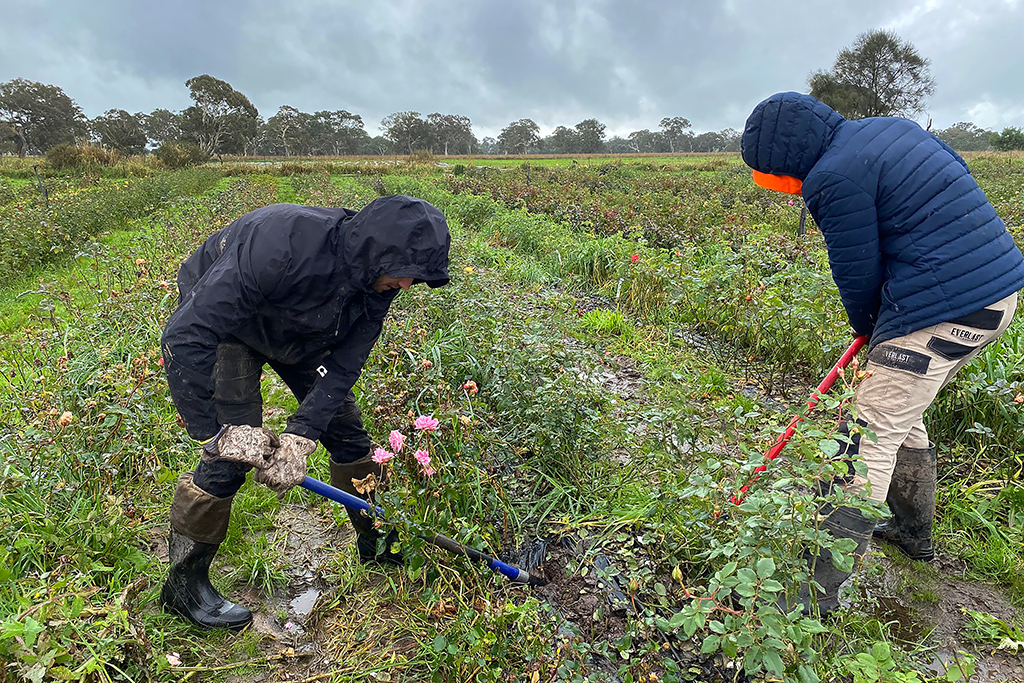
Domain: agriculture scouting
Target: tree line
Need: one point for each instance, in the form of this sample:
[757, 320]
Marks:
[879, 75]
[35, 117]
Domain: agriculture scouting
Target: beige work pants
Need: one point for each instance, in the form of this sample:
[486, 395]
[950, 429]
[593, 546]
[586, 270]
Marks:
[908, 373]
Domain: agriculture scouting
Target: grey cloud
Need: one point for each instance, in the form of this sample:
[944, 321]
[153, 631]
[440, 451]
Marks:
[627, 64]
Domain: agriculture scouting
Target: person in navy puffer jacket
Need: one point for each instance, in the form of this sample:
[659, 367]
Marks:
[923, 265]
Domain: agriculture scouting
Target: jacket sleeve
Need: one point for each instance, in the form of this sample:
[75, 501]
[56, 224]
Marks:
[338, 374]
[224, 300]
[849, 223]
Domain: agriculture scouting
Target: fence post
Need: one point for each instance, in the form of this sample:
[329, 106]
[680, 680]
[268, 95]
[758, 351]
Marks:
[42, 188]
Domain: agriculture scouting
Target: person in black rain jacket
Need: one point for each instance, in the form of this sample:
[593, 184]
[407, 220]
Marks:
[304, 290]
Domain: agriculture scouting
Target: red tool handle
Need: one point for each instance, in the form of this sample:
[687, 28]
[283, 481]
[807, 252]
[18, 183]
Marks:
[783, 439]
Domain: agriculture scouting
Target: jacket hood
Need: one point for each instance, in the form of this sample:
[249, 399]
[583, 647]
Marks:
[787, 133]
[398, 236]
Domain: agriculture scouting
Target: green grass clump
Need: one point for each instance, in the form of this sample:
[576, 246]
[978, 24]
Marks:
[604, 322]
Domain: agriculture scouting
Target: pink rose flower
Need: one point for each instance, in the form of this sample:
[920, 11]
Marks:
[429, 471]
[422, 457]
[397, 440]
[634, 258]
[425, 423]
[381, 456]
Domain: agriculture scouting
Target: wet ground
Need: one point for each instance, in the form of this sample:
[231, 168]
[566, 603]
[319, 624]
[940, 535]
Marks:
[924, 607]
[309, 541]
[588, 592]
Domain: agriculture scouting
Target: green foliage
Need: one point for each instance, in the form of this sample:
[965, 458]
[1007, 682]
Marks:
[89, 451]
[1010, 139]
[40, 115]
[33, 235]
[120, 131]
[767, 295]
[981, 407]
[519, 136]
[987, 629]
[79, 157]
[406, 132]
[878, 666]
[222, 120]
[176, 155]
[606, 322]
[965, 137]
[755, 553]
[879, 75]
[525, 429]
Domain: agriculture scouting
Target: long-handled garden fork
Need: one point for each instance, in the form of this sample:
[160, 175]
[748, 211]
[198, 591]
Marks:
[784, 438]
[441, 541]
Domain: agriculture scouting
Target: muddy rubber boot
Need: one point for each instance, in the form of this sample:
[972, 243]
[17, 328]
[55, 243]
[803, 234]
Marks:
[342, 475]
[911, 500]
[199, 523]
[844, 522]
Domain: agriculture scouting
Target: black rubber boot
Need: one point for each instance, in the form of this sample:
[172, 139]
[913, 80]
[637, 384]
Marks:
[342, 475]
[199, 523]
[188, 592]
[911, 500]
[844, 522]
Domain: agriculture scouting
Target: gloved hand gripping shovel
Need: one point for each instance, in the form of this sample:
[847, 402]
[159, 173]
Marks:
[441, 541]
[784, 438]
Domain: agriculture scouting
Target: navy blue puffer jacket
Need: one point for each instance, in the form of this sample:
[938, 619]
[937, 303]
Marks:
[912, 240]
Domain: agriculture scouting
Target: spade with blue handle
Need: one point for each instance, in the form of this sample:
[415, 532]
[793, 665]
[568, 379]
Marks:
[441, 541]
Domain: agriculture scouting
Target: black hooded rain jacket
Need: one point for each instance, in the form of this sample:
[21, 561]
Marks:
[294, 284]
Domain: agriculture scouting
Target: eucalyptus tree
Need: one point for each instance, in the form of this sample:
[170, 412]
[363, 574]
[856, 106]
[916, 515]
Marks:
[39, 116]
[518, 137]
[879, 75]
[118, 130]
[222, 119]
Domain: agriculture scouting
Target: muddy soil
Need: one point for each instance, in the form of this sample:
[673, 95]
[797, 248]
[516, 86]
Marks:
[308, 540]
[591, 603]
[926, 607]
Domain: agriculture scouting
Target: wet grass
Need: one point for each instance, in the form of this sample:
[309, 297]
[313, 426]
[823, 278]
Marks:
[603, 418]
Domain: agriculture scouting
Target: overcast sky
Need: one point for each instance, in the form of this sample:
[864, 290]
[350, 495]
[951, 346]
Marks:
[627, 64]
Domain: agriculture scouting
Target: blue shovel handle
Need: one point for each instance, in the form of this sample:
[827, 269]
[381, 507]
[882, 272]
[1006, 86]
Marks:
[441, 541]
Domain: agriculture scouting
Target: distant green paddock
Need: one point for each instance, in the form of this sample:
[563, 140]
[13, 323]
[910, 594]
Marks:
[560, 160]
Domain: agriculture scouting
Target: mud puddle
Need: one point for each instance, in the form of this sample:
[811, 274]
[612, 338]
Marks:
[309, 540]
[928, 609]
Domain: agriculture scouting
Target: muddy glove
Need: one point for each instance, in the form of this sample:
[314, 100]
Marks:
[288, 466]
[253, 446]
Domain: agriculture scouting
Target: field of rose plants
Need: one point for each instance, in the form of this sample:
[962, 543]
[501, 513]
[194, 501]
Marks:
[621, 341]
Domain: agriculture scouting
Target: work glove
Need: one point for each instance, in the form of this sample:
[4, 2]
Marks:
[288, 466]
[253, 446]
